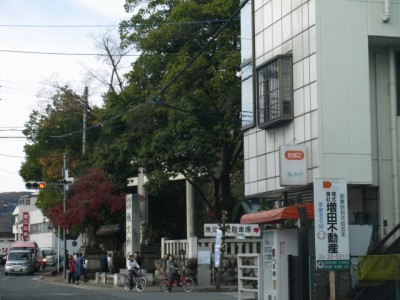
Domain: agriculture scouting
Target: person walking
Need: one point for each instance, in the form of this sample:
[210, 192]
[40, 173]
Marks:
[79, 271]
[71, 270]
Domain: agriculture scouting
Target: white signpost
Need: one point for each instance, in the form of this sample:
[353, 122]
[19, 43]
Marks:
[331, 224]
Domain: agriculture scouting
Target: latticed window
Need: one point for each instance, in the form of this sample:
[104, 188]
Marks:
[274, 92]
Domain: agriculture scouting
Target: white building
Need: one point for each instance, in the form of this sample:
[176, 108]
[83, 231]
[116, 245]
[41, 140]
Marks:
[39, 228]
[324, 74]
[338, 98]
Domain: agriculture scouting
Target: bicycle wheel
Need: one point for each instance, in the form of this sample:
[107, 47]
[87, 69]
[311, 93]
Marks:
[141, 284]
[187, 284]
[127, 283]
[164, 284]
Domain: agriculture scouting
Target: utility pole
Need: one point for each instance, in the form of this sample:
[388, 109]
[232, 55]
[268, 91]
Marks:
[84, 125]
[224, 218]
[64, 209]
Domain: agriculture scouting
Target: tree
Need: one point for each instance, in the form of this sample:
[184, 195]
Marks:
[49, 136]
[192, 124]
[93, 201]
[115, 58]
[51, 132]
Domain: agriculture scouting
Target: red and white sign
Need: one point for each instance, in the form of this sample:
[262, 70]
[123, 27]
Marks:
[25, 225]
[292, 165]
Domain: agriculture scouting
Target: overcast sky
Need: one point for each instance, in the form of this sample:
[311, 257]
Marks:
[44, 26]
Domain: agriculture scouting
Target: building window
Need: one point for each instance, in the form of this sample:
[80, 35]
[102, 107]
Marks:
[274, 92]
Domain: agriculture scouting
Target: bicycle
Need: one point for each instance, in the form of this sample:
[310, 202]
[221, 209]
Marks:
[138, 282]
[183, 281]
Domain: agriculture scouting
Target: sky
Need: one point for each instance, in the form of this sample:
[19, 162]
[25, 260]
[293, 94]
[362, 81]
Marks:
[45, 26]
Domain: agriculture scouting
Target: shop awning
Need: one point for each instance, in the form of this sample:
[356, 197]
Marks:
[278, 215]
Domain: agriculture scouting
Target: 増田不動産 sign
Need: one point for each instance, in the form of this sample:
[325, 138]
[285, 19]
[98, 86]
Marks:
[331, 224]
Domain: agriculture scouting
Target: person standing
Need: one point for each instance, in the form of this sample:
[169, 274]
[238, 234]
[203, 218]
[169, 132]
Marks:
[85, 266]
[71, 270]
[110, 263]
[103, 262]
[79, 271]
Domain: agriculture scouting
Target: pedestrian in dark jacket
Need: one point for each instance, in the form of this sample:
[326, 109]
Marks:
[104, 262]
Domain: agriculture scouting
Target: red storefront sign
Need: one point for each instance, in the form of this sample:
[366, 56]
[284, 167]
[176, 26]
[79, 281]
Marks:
[25, 225]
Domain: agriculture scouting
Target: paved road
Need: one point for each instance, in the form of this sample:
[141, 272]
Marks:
[43, 287]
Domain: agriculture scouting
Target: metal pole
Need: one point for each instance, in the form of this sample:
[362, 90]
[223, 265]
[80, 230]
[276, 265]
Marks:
[303, 254]
[58, 251]
[84, 125]
[64, 209]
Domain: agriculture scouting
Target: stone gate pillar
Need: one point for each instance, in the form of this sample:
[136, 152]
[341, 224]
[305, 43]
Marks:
[132, 224]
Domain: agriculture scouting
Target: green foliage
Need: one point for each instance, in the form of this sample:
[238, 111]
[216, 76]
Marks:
[49, 135]
[179, 114]
[192, 126]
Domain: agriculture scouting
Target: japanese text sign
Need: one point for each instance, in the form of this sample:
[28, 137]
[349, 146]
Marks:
[293, 165]
[331, 224]
[234, 230]
[25, 225]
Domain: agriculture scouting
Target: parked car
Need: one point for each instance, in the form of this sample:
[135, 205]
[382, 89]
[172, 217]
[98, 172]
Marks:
[50, 256]
[19, 262]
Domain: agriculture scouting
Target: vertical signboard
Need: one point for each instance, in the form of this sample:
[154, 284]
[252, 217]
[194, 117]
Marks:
[132, 224]
[331, 224]
[25, 225]
[292, 165]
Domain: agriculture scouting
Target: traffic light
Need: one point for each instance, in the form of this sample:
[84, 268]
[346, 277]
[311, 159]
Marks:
[35, 185]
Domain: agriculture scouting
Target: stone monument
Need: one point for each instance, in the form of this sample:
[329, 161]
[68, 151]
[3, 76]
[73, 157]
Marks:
[91, 251]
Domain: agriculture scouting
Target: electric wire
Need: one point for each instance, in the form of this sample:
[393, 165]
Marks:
[155, 99]
[63, 53]
[111, 25]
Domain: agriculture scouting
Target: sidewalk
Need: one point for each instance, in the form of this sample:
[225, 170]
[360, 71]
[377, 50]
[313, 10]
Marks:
[55, 278]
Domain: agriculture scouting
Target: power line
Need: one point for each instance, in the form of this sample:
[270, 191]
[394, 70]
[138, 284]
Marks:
[6, 155]
[9, 172]
[55, 26]
[62, 53]
[155, 99]
[111, 25]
